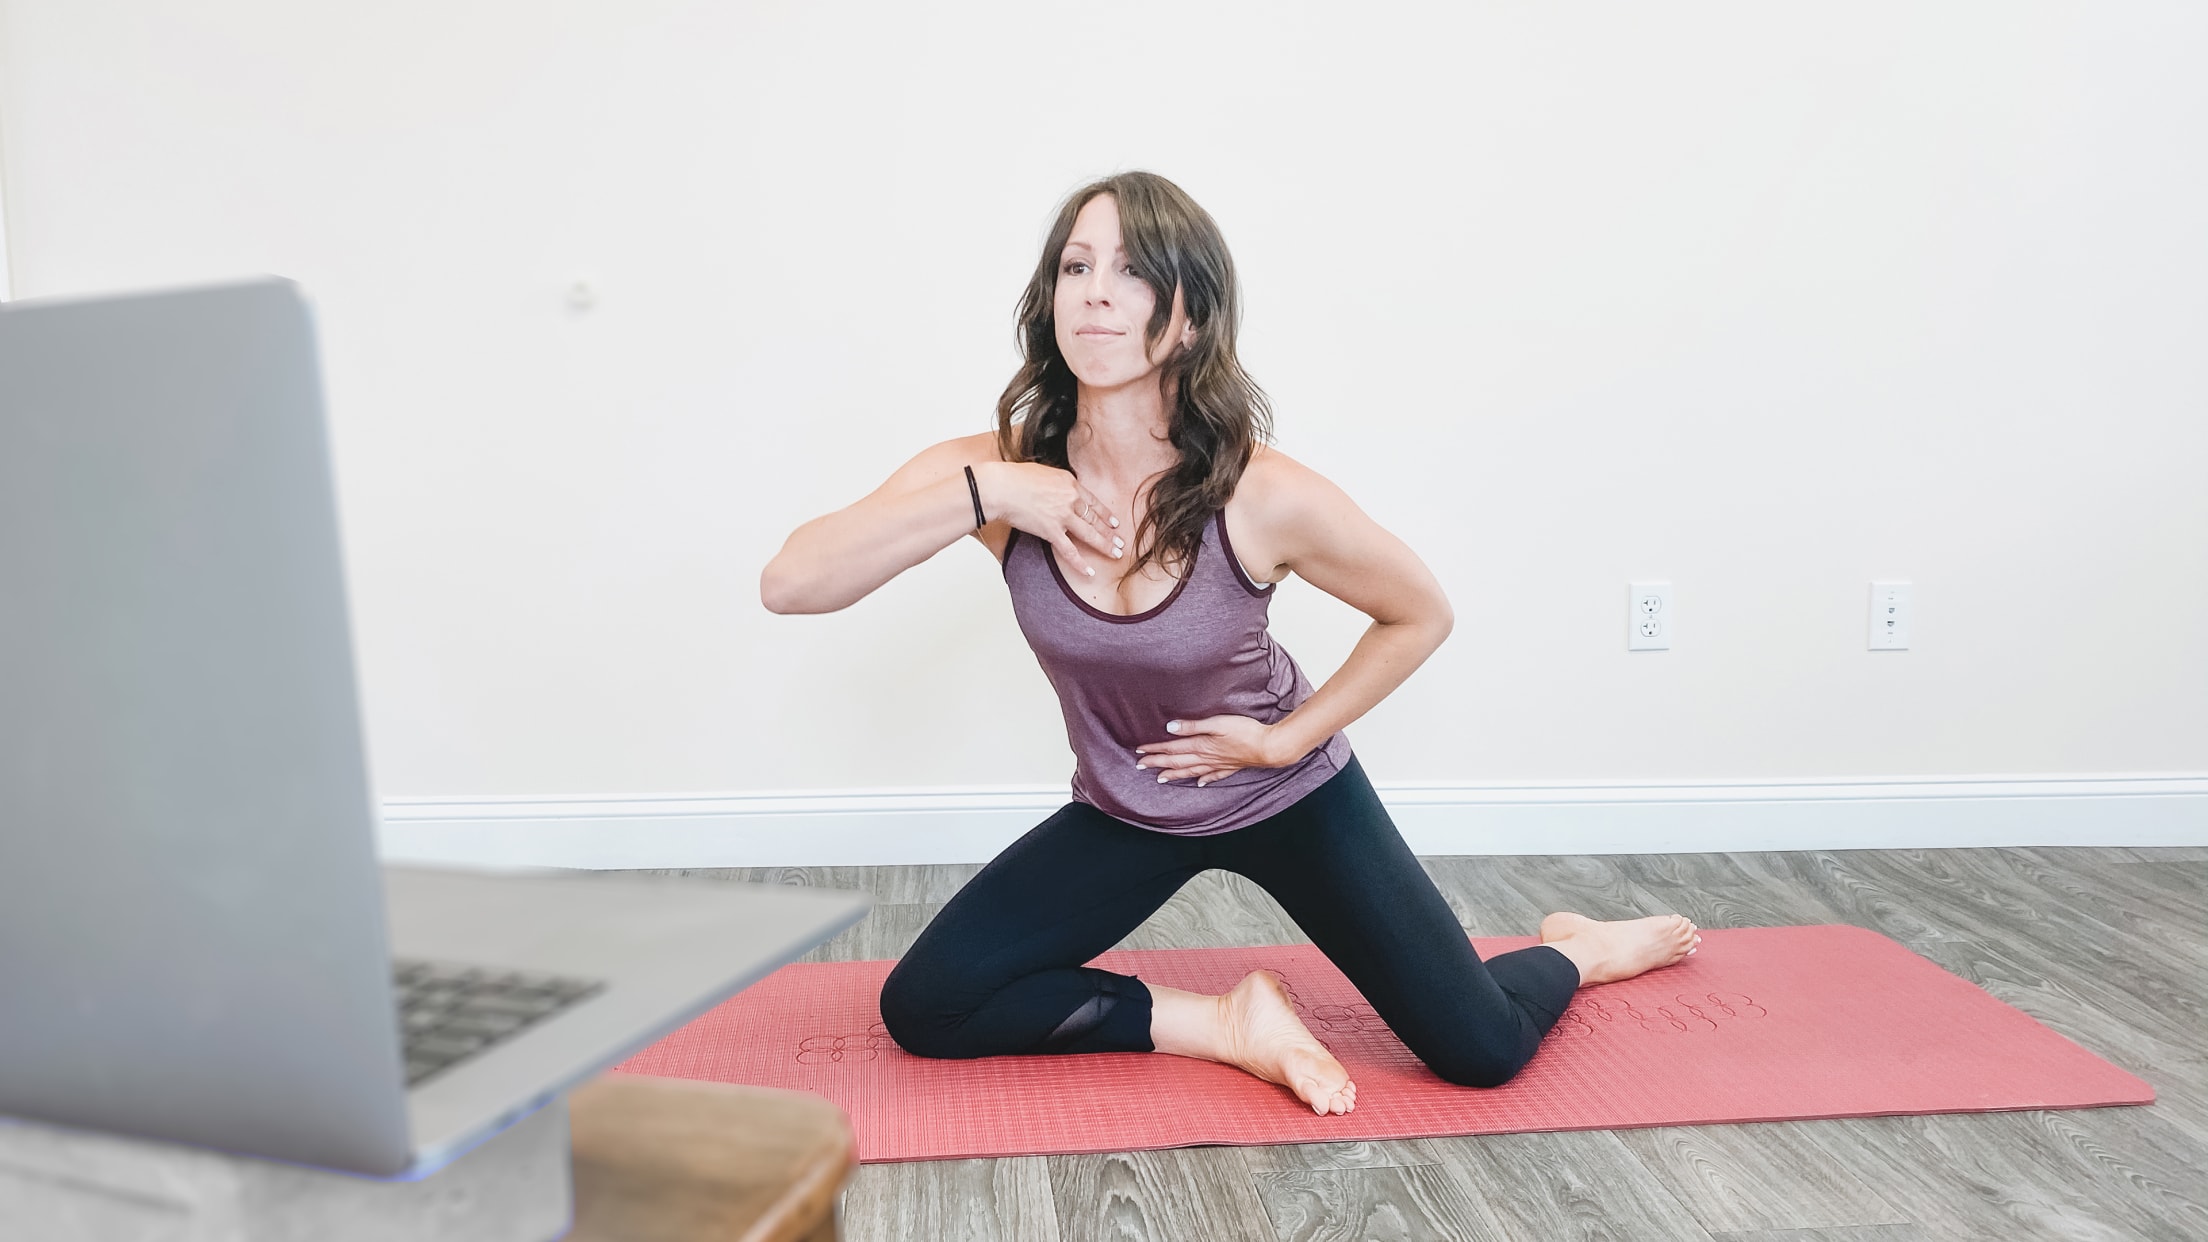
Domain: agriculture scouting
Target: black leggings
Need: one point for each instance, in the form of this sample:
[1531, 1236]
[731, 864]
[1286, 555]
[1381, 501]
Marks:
[1000, 970]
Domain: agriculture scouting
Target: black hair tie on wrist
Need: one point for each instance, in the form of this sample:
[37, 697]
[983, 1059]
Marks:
[972, 489]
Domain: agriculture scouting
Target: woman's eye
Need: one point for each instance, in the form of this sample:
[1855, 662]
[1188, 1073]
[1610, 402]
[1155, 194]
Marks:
[1074, 268]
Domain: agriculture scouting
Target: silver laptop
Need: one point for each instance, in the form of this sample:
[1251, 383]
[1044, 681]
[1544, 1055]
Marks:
[196, 941]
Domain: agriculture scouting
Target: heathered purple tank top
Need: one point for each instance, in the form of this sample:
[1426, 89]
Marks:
[1204, 651]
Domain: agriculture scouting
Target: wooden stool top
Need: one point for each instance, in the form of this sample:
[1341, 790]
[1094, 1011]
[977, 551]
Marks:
[667, 1160]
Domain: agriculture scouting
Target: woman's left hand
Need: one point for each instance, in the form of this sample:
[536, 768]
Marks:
[1216, 746]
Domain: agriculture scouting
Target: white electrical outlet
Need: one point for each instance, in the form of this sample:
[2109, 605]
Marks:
[1648, 616]
[1891, 611]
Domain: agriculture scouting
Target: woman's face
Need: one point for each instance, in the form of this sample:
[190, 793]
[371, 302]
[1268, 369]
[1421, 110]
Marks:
[1102, 306]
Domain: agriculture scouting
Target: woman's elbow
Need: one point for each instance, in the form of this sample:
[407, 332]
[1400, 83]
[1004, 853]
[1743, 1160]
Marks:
[784, 590]
[1443, 618]
[778, 592]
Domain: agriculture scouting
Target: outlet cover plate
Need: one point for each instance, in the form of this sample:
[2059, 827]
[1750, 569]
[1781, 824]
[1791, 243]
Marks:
[1891, 612]
[1649, 618]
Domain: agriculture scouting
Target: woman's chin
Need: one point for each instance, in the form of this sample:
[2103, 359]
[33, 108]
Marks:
[1103, 379]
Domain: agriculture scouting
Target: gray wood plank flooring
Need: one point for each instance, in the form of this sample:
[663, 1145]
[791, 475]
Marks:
[1744, 1178]
[1394, 1203]
[1151, 1196]
[1840, 1234]
[2108, 946]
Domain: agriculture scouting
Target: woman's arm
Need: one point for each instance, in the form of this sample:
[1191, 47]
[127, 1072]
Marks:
[1321, 535]
[838, 559]
[1299, 521]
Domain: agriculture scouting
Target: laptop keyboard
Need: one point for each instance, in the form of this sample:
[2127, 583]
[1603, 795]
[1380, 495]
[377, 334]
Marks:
[449, 1013]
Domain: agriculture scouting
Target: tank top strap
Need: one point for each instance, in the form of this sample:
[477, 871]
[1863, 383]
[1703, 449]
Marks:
[1231, 562]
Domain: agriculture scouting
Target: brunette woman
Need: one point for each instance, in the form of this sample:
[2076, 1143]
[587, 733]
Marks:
[1143, 525]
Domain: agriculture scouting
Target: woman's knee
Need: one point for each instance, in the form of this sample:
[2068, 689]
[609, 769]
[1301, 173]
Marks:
[914, 1015]
[1470, 1065]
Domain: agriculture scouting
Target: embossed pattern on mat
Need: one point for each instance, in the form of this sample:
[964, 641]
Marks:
[1762, 1024]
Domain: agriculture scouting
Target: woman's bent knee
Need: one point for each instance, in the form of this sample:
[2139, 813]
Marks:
[920, 1026]
[1473, 1068]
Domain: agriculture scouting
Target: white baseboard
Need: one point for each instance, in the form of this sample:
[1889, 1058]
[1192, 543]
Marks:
[971, 825]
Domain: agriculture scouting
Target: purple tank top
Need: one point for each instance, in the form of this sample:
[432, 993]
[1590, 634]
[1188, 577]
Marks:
[1204, 651]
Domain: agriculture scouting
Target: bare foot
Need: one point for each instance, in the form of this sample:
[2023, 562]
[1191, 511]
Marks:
[1608, 952]
[1265, 1037]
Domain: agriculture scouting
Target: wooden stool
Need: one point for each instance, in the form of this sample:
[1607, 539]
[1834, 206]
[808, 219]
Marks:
[666, 1160]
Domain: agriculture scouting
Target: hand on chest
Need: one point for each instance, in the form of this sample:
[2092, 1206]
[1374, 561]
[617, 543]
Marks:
[1122, 590]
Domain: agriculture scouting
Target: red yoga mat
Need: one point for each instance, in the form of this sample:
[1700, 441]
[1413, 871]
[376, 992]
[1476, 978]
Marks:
[1761, 1024]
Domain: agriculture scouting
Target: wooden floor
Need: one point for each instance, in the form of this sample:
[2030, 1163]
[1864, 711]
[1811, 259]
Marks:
[2107, 946]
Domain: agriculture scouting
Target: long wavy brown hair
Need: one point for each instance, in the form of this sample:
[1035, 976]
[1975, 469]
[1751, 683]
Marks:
[1219, 415]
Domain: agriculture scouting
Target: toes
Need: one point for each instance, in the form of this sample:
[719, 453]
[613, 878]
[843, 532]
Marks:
[1340, 1101]
[1324, 1099]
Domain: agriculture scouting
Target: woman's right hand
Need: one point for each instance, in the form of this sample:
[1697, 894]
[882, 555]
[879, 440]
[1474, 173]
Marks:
[1052, 505]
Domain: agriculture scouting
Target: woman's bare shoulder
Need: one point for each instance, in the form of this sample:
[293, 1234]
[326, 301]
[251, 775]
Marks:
[1273, 503]
[982, 444]
[934, 461]
[979, 447]
[946, 458]
[1275, 486]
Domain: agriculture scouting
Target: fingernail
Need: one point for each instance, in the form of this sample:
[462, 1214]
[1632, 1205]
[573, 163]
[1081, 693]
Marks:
[1172, 726]
[1115, 523]
[1161, 781]
[1092, 573]
[1115, 553]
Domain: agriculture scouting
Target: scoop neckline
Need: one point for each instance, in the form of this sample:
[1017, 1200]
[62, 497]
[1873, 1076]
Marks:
[1050, 554]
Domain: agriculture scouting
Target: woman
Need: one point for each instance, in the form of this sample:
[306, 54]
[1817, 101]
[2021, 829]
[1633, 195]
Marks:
[1126, 450]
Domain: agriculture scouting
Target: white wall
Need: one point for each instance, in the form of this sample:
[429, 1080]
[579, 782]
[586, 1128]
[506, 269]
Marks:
[1769, 301]
[6, 283]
